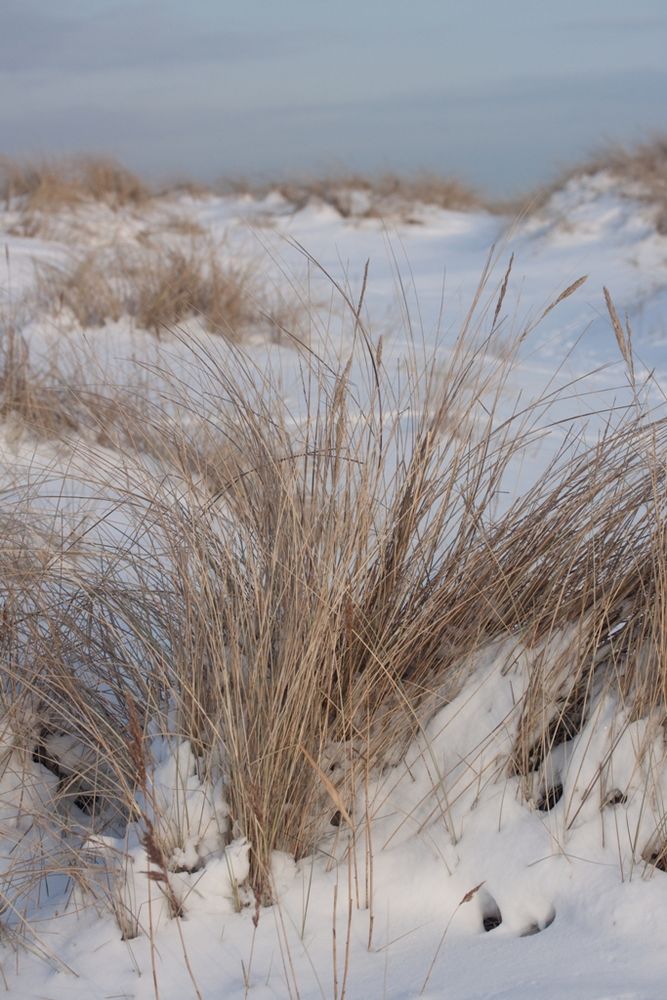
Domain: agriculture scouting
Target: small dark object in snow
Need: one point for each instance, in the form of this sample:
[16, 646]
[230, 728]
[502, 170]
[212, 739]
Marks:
[491, 915]
[492, 921]
[615, 798]
[551, 796]
[336, 818]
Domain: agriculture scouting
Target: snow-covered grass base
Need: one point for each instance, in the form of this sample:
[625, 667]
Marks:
[456, 883]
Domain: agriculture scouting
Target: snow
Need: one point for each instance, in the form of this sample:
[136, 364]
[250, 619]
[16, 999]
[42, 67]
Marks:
[383, 913]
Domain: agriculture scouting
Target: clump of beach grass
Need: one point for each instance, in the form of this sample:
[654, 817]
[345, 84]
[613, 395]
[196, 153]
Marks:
[295, 599]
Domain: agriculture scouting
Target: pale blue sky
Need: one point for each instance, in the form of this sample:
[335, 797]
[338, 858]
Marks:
[500, 92]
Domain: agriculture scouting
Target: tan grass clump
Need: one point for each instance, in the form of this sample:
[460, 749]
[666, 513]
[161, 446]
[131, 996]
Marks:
[89, 290]
[301, 621]
[644, 170]
[337, 614]
[332, 588]
[51, 185]
[41, 402]
[363, 196]
[169, 287]
[159, 289]
[640, 172]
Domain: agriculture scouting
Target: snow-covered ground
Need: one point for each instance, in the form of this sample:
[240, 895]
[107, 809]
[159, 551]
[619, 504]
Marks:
[453, 884]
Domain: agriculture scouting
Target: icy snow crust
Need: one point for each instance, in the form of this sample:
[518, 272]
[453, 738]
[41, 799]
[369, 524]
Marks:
[580, 912]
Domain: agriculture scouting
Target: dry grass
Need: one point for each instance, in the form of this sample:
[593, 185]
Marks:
[173, 286]
[641, 172]
[44, 404]
[297, 600]
[331, 616]
[161, 288]
[54, 402]
[175, 225]
[48, 186]
[644, 170]
[51, 185]
[300, 621]
[50, 197]
[363, 196]
[89, 291]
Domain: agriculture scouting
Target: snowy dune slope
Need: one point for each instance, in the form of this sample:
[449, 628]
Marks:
[454, 884]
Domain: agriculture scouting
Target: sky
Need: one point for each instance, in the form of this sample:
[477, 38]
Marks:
[501, 93]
